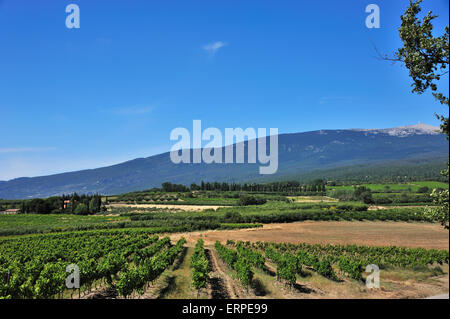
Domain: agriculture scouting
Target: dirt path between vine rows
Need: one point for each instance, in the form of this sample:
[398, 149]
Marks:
[220, 275]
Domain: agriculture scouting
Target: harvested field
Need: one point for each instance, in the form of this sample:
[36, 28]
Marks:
[168, 206]
[368, 233]
[312, 199]
[377, 207]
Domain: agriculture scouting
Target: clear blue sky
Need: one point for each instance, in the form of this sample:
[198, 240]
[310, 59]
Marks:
[115, 88]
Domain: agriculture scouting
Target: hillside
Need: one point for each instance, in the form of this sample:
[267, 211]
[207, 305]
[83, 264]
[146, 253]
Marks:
[301, 155]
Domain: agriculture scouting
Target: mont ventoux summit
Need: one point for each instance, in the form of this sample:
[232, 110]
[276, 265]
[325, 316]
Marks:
[302, 156]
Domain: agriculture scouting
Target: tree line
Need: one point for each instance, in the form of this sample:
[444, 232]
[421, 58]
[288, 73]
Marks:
[287, 186]
[69, 204]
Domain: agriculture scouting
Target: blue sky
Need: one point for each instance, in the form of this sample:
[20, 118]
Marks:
[114, 89]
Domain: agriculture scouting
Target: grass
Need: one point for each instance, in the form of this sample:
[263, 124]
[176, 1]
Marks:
[422, 274]
[177, 281]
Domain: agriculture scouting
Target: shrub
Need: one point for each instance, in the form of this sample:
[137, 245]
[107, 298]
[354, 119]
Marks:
[246, 200]
[423, 190]
[81, 209]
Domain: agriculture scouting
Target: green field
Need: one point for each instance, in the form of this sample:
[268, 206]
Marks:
[223, 218]
[117, 249]
[220, 198]
[21, 224]
[277, 208]
[407, 187]
[24, 223]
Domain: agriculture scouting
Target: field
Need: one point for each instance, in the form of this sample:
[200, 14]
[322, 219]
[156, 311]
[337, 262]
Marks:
[34, 223]
[413, 235]
[264, 284]
[223, 283]
[411, 187]
[138, 264]
[311, 199]
[177, 219]
[398, 194]
[287, 246]
[178, 207]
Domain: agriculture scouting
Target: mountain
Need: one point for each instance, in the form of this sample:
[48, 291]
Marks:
[411, 169]
[403, 131]
[300, 154]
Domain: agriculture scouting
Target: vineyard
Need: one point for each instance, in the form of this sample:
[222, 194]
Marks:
[132, 261]
[35, 266]
[329, 260]
[123, 254]
[200, 267]
[237, 262]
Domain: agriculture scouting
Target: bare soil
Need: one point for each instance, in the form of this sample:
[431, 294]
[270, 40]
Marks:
[370, 233]
[225, 286]
[378, 207]
[312, 199]
[168, 206]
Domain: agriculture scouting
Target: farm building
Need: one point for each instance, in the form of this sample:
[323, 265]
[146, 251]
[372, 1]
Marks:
[11, 211]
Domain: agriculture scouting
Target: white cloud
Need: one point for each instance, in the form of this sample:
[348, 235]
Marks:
[212, 48]
[133, 110]
[25, 149]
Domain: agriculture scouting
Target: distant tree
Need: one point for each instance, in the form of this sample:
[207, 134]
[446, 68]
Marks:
[246, 200]
[166, 187]
[364, 194]
[225, 187]
[169, 187]
[81, 209]
[95, 204]
[366, 197]
[194, 187]
[423, 190]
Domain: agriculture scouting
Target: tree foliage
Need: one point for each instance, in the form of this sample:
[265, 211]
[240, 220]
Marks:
[425, 56]
[441, 211]
[427, 59]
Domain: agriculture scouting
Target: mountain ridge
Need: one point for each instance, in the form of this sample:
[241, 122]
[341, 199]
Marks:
[299, 153]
